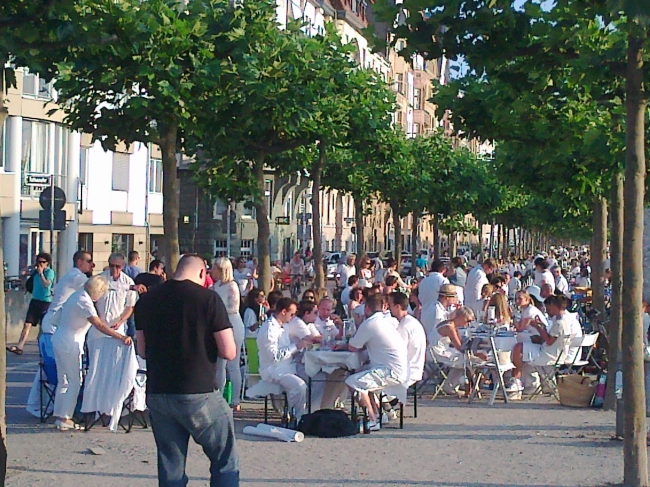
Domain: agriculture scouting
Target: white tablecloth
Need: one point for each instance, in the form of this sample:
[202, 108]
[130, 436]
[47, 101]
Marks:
[111, 378]
[328, 362]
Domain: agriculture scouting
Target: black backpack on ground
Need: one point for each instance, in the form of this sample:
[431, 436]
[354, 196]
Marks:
[327, 423]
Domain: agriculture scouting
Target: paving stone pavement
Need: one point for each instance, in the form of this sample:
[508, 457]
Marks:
[451, 444]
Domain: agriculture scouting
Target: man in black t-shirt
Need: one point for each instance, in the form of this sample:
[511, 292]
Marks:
[155, 276]
[182, 328]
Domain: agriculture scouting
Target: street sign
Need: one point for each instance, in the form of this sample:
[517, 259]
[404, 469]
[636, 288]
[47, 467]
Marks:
[44, 220]
[282, 220]
[349, 220]
[37, 180]
[45, 199]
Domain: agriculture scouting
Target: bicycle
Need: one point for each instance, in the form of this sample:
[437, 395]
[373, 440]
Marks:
[296, 286]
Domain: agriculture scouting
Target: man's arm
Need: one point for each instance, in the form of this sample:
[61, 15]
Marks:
[106, 330]
[226, 346]
[126, 314]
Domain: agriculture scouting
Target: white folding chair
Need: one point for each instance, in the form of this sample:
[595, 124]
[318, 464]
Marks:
[435, 374]
[585, 341]
[548, 373]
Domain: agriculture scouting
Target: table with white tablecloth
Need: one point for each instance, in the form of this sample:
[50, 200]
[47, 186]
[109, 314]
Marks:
[330, 367]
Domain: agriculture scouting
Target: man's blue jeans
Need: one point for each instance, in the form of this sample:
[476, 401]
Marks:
[207, 418]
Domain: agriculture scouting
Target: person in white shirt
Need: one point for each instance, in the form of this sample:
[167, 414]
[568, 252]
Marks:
[243, 276]
[327, 323]
[78, 314]
[430, 285]
[344, 271]
[387, 352]
[359, 313]
[546, 348]
[514, 286]
[276, 354]
[583, 280]
[440, 311]
[353, 282]
[542, 274]
[412, 332]
[255, 312]
[115, 307]
[528, 314]
[476, 279]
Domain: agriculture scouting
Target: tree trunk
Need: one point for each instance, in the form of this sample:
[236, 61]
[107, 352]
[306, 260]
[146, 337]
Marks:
[4, 114]
[397, 224]
[491, 240]
[634, 446]
[171, 250]
[598, 250]
[317, 238]
[481, 254]
[263, 227]
[616, 311]
[360, 232]
[436, 236]
[415, 229]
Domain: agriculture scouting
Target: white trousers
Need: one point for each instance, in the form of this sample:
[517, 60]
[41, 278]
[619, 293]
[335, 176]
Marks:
[68, 372]
[296, 390]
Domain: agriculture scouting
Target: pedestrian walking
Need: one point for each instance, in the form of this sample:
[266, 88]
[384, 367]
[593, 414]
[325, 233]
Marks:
[182, 328]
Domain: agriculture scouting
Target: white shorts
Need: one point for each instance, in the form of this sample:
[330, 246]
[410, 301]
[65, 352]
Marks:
[532, 354]
[372, 379]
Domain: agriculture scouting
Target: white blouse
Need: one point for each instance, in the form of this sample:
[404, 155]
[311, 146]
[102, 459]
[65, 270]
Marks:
[229, 294]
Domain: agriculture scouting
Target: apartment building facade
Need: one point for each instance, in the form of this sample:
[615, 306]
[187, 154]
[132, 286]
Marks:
[114, 199]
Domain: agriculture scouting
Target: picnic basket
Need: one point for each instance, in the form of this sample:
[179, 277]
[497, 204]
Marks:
[576, 391]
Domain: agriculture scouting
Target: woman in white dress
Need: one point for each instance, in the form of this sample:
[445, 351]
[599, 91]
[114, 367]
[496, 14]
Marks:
[255, 312]
[77, 316]
[228, 290]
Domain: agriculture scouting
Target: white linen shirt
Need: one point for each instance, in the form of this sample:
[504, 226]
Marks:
[69, 337]
[345, 271]
[544, 277]
[326, 328]
[385, 346]
[430, 288]
[476, 279]
[69, 284]
[275, 351]
[410, 329]
[561, 284]
[111, 306]
[297, 329]
[430, 320]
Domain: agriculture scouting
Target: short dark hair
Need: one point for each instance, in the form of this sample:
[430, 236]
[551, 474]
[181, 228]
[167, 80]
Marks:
[375, 303]
[541, 261]
[437, 265]
[352, 280]
[399, 299]
[305, 307]
[273, 298]
[390, 280]
[45, 256]
[498, 280]
[457, 262]
[390, 262]
[155, 264]
[79, 255]
[557, 300]
[491, 263]
[370, 291]
[284, 303]
[133, 255]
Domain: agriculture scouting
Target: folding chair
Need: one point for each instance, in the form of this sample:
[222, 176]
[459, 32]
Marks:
[435, 374]
[48, 378]
[588, 342]
[548, 373]
[494, 367]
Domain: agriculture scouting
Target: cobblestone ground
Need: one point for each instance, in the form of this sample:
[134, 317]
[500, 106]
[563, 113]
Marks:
[450, 444]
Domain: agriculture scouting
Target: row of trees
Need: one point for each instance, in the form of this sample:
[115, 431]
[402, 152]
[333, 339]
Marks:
[562, 89]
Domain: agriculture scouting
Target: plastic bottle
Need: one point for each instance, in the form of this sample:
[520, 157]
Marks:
[227, 391]
[366, 422]
[599, 398]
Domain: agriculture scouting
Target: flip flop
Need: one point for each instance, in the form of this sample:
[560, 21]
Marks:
[14, 349]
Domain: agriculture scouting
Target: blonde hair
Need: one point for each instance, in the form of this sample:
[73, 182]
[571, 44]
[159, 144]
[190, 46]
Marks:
[502, 310]
[96, 286]
[487, 290]
[225, 266]
[525, 295]
[466, 313]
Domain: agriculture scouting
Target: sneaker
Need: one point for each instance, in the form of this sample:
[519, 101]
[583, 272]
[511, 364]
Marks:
[374, 425]
[514, 396]
[515, 385]
[388, 416]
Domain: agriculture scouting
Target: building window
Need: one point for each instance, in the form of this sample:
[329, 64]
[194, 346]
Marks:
[61, 150]
[400, 117]
[355, 6]
[122, 242]
[154, 244]
[399, 83]
[416, 129]
[417, 97]
[248, 210]
[120, 171]
[220, 248]
[155, 175]
[288, 206]
[84, 155]
[85, 242]
[219, 209]
[3, 144]
[34, 156]
[268, 192]
[247, 247]
[34, 85]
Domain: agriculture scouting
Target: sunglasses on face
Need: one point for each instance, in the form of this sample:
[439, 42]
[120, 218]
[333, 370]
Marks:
[115, 266]
[41, 262]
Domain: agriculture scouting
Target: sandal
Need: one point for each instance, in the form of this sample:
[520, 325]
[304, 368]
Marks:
[64, 426]
[14, 349]
[236, 407]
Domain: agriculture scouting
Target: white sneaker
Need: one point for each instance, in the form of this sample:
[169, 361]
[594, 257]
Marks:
[374, 425]
[515, 385]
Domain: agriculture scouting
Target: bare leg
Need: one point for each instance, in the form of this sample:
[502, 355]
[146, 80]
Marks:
[365, 402]
[24, 335]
